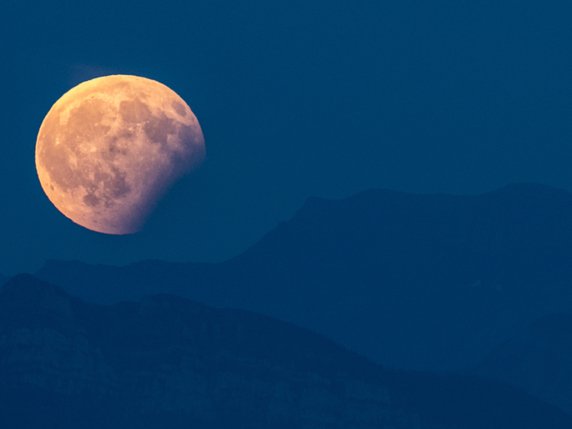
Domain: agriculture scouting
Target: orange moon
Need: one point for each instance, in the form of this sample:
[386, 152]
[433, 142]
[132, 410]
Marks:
[110, 147]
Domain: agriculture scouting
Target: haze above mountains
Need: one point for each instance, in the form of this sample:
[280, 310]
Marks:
[478, 285]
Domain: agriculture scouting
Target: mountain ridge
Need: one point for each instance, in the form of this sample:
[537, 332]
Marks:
[169, 362]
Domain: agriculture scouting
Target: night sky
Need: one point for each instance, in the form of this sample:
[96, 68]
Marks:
[296, 99]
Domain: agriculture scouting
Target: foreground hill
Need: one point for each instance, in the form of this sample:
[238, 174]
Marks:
[412, 281]
[170, 363]
[538, 359]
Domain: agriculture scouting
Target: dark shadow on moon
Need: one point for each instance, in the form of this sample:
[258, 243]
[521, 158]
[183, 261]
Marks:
[179, 108]
[157, 128]
[113, 187]
[134, 111]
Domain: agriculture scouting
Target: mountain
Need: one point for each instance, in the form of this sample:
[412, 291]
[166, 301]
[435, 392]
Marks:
[538, 359]
[169, 362]
[427, 282]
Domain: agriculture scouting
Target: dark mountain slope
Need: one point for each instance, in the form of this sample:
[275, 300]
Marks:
[538, 358]
[413, 281]
[170, 363]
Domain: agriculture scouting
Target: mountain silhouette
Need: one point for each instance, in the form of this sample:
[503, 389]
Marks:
[168, 362]
[427, 282]
[537, 359]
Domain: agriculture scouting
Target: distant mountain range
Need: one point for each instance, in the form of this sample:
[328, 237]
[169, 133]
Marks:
[427, 282]
[166, 362]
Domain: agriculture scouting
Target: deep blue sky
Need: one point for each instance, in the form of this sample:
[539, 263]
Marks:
[296, 98]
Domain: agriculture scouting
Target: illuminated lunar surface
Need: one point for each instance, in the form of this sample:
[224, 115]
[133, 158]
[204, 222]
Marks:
[110, 147]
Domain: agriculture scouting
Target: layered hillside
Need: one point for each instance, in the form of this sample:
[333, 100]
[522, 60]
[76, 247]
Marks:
[169, 362]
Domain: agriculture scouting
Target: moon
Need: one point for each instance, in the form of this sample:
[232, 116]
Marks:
[110, 147]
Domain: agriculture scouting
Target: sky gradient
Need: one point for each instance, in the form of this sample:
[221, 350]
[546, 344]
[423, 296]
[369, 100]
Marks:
[296, 99]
